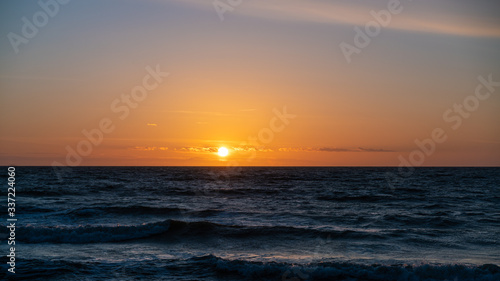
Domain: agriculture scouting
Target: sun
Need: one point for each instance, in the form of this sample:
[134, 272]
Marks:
[223, 152]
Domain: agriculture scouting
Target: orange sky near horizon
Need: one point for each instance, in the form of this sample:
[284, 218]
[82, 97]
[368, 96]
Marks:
[270, 84]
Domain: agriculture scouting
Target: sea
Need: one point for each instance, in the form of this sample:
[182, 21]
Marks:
[254, 223]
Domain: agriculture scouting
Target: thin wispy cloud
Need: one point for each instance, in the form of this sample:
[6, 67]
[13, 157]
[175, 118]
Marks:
[149, 148]
[41, 78]
[486, 141]
[332, 149]
[248, 148]
[199, 112]
[412, 18]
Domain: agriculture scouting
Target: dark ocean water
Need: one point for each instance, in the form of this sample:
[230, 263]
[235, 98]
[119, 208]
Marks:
[261, 223]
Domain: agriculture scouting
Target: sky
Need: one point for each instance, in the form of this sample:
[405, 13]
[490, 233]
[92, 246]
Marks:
[278, 83]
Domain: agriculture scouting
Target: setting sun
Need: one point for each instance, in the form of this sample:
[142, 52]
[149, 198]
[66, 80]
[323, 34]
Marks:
[223, 152]
[190, 127]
